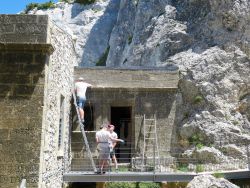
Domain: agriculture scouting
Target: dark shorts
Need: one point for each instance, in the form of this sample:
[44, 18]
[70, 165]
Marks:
[80, 102]
[112, 153]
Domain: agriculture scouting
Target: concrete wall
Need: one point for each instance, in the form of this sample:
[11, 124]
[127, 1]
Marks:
[130, 78]
[31, 82]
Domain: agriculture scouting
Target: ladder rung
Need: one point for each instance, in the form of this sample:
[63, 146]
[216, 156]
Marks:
[149, 125]
[150, 138]
[149, 132]
[149, 119]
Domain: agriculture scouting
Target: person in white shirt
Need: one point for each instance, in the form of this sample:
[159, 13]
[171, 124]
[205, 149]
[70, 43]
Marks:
[103, 138]
[112, 145]
[80, 90]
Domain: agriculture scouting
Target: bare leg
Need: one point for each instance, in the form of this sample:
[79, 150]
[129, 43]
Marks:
[101, 164]
[115, 161]
[81, 113]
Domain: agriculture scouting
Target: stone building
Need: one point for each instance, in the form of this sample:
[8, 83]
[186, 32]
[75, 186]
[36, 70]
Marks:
[123, 96]
[36, 76]
[37, 60]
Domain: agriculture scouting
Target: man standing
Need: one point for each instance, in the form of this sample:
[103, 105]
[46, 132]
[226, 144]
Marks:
[80, 90]
[112, 145]
[103, 138]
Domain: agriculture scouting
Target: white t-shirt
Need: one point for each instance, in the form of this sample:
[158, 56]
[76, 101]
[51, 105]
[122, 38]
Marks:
[103, 137]
[81, 88]
[114, 135]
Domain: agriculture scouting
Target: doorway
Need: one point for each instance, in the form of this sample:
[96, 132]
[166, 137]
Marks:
[121, 118]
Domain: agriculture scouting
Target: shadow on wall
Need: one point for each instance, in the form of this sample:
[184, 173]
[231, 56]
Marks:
[98, 39]
[20, 73]
[162, 112]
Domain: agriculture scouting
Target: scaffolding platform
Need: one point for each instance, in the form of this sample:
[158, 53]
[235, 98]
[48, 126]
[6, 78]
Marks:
[147, 176]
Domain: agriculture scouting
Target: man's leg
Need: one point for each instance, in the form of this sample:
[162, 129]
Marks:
[115, 161]
[81, 111]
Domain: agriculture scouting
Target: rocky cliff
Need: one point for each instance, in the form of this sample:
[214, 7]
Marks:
[209, 40]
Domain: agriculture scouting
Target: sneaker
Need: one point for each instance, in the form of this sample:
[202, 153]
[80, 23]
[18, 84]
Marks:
[98, 172]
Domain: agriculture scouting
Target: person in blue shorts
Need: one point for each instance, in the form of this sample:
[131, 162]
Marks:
[80, 90]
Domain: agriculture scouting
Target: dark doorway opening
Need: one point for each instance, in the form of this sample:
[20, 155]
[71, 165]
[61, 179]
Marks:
[88, 118]
[121, 118]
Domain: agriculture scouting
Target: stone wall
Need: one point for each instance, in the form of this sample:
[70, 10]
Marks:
[22, 79]
[31, 84]
[54, 159]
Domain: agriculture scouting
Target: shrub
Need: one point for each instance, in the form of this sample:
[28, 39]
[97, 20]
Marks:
[198, 99]
[183, 167]
[130, 39]
[149, 185]
[46, 5]
[85, 2]
[120, 185]
[30, 7]
[199, 168]
[66, 1]
[103, 58]
[235, 122]
[196, 139]
[218, 175]
[132, 185]
[199, 145]
[39, 6]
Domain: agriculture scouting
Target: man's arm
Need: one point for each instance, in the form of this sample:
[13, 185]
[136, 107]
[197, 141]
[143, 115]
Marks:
[115, 139]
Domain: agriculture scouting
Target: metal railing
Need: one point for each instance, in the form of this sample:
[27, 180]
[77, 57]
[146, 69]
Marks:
[195, 158]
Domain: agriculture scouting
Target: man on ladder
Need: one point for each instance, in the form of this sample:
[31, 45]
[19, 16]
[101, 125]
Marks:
[80, 90]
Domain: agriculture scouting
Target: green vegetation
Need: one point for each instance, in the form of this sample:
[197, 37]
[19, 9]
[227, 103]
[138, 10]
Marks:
[66, 1]
[198, 99]
[85, 2]
[130, 39]
[132, 185]
[183, 167]
[103, 58]
[197, 140]
[199, 168]
[186, 115]
[39, 6]
[218, 175]
[235, 122]
[199, 145]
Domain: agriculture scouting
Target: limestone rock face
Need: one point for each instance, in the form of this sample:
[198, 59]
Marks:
[209, 41]
[205, 181]
[89, 25]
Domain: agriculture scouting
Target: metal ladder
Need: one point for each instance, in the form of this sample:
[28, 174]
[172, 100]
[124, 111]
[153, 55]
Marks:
[85, 140]
[150, 133]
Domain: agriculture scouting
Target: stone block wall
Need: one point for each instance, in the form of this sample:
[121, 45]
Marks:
[23, 29]
[21, 107]
[31, 83]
